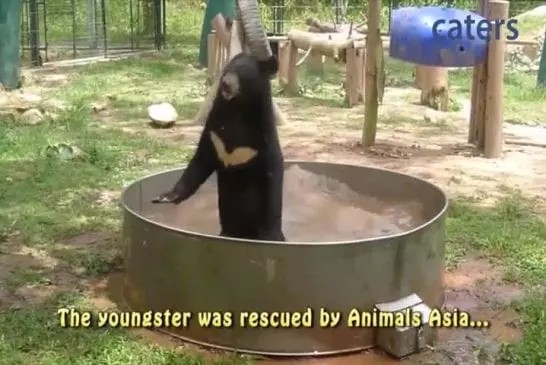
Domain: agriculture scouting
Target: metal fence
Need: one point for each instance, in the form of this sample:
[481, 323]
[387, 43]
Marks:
[59, 29]
[279, 15]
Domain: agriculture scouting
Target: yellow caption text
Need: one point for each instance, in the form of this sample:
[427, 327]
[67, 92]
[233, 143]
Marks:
[308, 318]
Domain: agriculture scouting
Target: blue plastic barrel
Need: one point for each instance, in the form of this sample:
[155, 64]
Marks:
[425, 36]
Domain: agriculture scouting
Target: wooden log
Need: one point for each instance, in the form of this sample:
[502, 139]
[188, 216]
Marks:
[221, 29]
[323, 27]
[476, 101]
[329, 45]
[361, 74]
[351, 78]
[496, 9]
[479, 128]
[204, 110]
[313, 30]
[217, 53]
[284, 60]
[292, 86]
[235, 40]
[315, 61]
[222, 60]
[212, 48]
[371, 93]
[434, 87]
[419, 77]
[360, 44]
[310, 37]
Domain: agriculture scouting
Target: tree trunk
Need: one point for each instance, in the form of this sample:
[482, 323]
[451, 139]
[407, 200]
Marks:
[433, 82]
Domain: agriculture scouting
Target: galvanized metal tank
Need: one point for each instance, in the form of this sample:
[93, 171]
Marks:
[176, 270]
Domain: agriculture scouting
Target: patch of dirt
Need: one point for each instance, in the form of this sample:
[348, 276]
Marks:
[410, 139]
[52, 277]
[86, 238]
[106, 197]
[476, 287]
[476, 283]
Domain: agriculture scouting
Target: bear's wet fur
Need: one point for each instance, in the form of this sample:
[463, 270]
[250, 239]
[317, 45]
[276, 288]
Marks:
[240, 143]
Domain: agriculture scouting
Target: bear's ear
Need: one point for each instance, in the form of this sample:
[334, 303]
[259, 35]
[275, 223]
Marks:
[270, 66]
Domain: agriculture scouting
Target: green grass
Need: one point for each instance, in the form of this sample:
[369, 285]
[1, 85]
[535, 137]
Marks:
[44, 200]
[48, 199]
[34, 336]
[530, 26]
[511, 235]
[523, 101]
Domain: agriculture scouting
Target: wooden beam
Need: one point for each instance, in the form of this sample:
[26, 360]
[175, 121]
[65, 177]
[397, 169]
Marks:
[371, 103]
[494, 119]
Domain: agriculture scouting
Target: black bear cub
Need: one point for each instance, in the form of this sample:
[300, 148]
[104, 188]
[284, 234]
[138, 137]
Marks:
[240, 142]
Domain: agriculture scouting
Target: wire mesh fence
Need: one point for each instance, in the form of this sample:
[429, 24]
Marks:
[60, 29]
[281, 15]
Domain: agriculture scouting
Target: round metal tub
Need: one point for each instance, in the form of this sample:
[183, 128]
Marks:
[180, 270]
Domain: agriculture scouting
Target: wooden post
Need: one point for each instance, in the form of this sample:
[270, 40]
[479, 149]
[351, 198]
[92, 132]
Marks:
[284, 60]
[211, 57]
[234, 48]
[541, 77]
[477, 102]
[351, 77]
[235, 40]
[360, 76]
[222, 57]
[221, 28]
[292, 86]
[496, 9]
[315, 61]
[328, 45]
[419, 75]
[371, 104]
[433, 82]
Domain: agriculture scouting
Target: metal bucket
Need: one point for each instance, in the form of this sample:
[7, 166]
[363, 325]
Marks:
[176, 270]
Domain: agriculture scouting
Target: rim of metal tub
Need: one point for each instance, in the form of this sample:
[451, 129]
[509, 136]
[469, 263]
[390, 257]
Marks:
[370, 240]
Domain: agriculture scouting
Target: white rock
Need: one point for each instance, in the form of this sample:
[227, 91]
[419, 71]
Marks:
[32, 116]
[163, 113]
